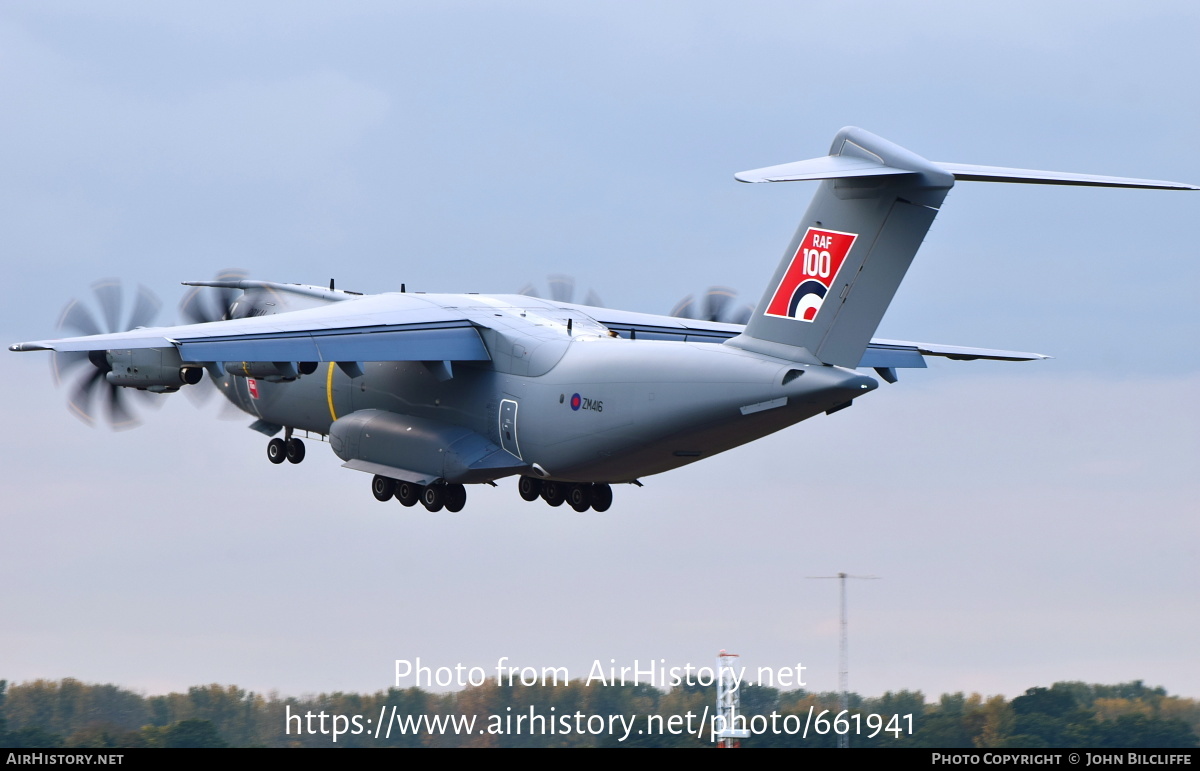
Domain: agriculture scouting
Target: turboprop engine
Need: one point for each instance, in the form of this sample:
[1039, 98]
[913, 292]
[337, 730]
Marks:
[152, 369]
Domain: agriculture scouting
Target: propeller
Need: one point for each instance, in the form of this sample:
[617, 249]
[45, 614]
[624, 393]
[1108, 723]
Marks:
[201, 305]
[562, 290]
[718, 303]
[90, 391]
[204, 304]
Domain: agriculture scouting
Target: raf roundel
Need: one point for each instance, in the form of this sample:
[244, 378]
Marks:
[810, 274]
[576, 402]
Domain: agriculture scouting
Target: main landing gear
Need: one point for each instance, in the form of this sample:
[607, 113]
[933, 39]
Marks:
[290, 449]
[452, 497]
[580, 496]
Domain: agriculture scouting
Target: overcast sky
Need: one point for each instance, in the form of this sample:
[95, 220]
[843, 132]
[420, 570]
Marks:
[1031, 522]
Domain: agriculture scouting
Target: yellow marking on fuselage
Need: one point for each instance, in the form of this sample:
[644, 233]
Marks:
[329, 391]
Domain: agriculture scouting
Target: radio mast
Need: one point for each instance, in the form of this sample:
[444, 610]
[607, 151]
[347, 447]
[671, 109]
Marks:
[844, 651]
[728, 703]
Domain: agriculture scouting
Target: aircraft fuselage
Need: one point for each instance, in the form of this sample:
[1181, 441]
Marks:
[606, 410]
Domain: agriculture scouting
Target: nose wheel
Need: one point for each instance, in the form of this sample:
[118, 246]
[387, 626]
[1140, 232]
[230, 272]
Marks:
[290, 449]
[294, 450]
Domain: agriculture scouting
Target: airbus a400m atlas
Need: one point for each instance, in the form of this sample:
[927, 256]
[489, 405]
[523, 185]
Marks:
[431, 392]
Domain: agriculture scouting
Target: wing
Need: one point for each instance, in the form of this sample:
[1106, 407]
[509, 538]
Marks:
[880, 352]
[648, 326]
[415, 327]
[389, 327]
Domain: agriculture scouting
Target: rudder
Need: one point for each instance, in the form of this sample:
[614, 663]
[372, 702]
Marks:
[851, 250]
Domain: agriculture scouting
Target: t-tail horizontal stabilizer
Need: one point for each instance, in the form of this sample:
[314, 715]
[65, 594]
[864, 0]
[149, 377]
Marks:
[842, 167]
[875, 204]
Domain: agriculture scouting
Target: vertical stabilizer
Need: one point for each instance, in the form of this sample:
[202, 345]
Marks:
[850, 251]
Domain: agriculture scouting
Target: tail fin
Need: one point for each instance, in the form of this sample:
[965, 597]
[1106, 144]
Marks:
[852, 247]
[857, 239]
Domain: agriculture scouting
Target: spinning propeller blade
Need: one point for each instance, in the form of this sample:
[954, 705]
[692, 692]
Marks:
[719, 303]
[89, 387]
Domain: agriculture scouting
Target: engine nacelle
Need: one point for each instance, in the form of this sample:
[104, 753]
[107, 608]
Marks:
[433, 449]
[271, 371]
[153, 369]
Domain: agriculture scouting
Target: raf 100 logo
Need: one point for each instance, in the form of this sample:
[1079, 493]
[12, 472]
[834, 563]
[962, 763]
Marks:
[580, 403]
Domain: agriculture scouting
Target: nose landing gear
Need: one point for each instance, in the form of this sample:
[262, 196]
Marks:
[289, 448]
[295, 450]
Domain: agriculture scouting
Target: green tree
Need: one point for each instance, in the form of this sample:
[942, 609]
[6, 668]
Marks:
[192, 733]
[3, 715]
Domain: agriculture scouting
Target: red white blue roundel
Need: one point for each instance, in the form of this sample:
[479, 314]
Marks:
[810, 274]
[576, 402]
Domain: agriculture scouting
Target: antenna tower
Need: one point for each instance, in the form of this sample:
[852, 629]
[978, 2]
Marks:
[728, 703]
[844, 651]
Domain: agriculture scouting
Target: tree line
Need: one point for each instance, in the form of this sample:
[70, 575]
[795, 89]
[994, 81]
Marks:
[71, 714]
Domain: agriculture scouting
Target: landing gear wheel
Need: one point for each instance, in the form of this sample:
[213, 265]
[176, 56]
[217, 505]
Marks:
[295, 450]
[433, 497]
[382, 487]
[276, 450]
[580, 497]
[553, 493]
[529, 488]
[601, 497]
[407, 493]
[456, 497]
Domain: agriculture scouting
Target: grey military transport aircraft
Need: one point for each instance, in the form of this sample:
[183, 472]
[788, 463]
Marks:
[431, 392]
